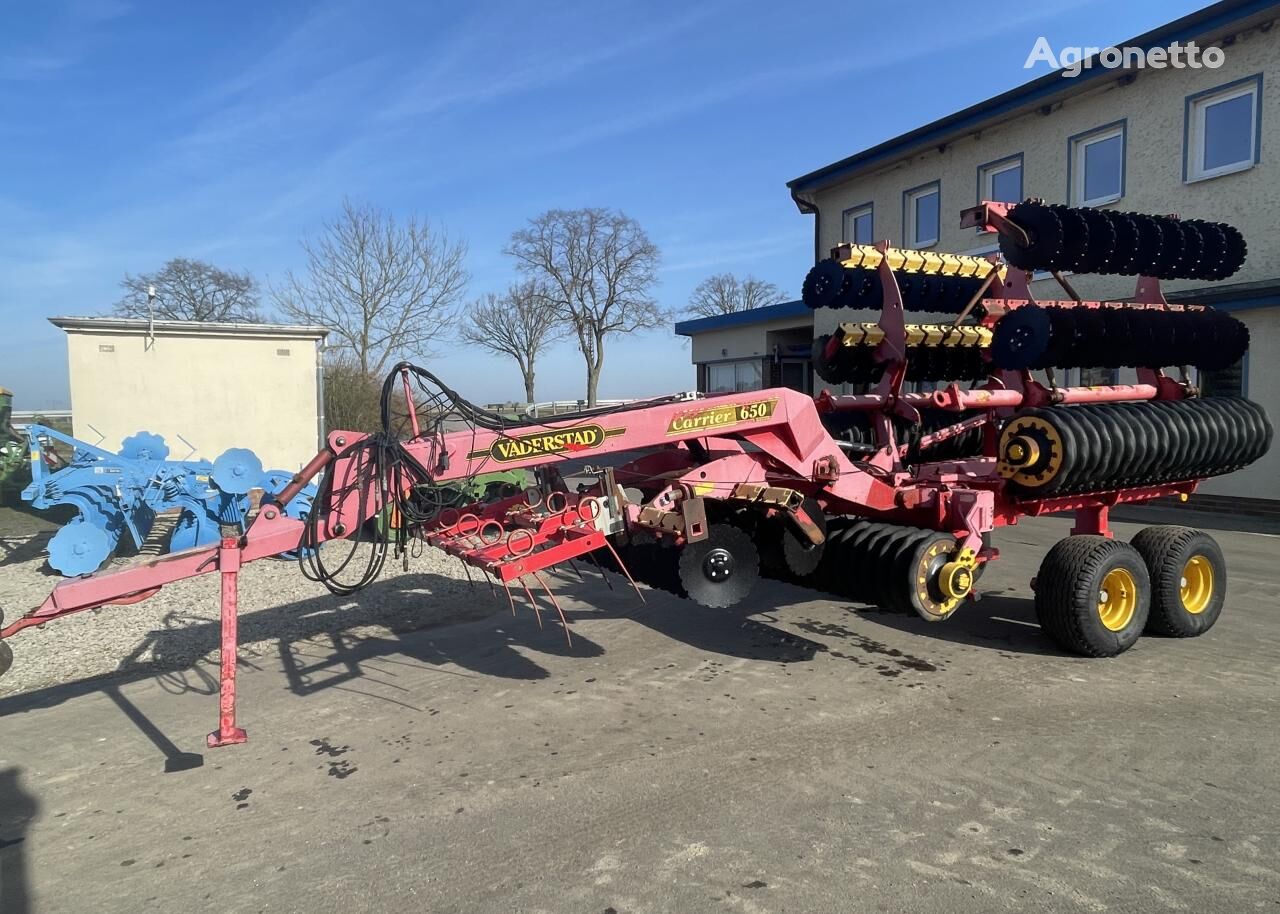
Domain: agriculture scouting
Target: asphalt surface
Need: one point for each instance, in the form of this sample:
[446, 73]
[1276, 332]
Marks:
[796, 754]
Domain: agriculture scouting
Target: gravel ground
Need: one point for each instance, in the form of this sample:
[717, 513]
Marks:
[178, 627]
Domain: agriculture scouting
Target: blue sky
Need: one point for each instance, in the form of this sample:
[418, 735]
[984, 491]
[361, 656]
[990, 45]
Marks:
[135, 132]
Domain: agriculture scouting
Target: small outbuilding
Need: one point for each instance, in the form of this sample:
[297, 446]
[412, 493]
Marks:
[204, 386]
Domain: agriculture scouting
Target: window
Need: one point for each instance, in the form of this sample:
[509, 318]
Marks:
[1001, 181]
[729, 377]
[1222, 130]
[920, 215]
[1096, 166]
[857, 226]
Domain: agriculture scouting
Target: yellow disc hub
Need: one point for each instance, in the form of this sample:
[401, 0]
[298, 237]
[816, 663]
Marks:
[940, 591]
[1030, 451]
[1196, 585]
[1117, 599]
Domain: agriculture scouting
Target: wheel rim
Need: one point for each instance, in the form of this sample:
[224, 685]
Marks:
[1118, 599]
[1196, 585]
[718, 565]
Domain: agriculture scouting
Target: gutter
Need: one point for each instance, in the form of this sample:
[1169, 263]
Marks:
[806, 206]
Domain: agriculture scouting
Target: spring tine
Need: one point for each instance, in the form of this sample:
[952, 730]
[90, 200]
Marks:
[556, 604]
[623, 566]
[507, 587]
[577, 570]
[467, 571]
[537, 613]
[489, 580]
[600, 568]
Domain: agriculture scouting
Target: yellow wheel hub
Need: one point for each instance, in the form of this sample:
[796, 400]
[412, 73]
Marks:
[1117, 599]
[1196, 585]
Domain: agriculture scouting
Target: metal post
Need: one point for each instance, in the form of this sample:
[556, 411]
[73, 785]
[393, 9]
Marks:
[228, 734]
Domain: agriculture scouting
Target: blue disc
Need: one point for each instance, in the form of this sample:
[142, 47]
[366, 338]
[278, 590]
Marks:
[79, 548]
[237, 471]
[144, 446]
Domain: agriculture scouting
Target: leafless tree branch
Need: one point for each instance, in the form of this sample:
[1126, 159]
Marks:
[724, 293]
[191, 290]
[519, 323]
[385, 288]
[596, 268]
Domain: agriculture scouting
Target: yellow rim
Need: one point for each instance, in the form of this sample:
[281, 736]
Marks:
[1118, 599]
[1196, 586]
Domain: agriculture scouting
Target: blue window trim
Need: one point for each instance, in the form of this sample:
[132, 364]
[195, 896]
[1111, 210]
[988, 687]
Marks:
[869, 205]
[1123, 124]
[1190, 100]
[1022, 176]
[906, 197]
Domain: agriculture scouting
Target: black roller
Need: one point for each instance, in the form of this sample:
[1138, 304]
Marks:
[1021, 338]
[1045, 234]
[1102, 241]
[1110, 446]
[822, 285]
[1101, 251]
[1075, 239]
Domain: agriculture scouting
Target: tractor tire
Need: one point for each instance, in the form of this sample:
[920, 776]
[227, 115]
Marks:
[1188, 579]
[1093, 595]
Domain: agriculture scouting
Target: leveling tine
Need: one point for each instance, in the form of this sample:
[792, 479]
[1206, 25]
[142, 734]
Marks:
[556, 604]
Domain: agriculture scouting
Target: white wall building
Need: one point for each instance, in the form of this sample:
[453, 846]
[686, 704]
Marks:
[205, 387]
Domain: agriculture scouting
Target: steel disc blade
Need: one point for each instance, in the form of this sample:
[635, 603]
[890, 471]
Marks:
[822, 284]
[144, 446]
[1075, 239]
[1045, 233]
[1150, 241]
[1169, 257]
[1124, 256]
[1102, 241]
[79, 548]
[237, 470]
[1021, 338]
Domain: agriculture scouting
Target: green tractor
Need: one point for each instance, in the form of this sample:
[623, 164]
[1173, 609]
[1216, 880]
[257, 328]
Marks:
[15, 471]
[483, 488]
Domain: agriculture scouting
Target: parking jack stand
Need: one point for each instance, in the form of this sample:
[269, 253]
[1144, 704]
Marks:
[228, 734]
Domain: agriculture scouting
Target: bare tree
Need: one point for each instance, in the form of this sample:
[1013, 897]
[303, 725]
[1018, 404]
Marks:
[191, 290]
[384, 288]
[519, 323]
[597, 267]
[724, 293]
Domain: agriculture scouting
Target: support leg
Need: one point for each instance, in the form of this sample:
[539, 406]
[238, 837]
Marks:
[1093, 521]
[228, 734]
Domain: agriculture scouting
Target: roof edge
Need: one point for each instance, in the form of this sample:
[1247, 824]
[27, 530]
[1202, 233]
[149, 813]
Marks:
[780, 311]
[195, 328]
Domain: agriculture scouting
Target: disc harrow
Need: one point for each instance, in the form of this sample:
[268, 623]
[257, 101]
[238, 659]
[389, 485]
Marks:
[833, 285]
[1039, 236]
[888, 496]
[1115, 335]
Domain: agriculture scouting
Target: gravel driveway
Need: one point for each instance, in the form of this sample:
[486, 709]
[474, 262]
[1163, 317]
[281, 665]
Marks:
[178, 627]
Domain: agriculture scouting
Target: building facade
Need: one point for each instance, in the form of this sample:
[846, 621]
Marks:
[205, 387]
[1203, 143]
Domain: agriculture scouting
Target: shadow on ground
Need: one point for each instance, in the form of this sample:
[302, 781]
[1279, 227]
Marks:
[18, 809]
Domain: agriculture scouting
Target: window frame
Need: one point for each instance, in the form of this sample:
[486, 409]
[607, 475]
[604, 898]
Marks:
[869, 208]
[1076, 146]
[1193, 128]
[735, 363]
[909, 197]
[987, 170]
